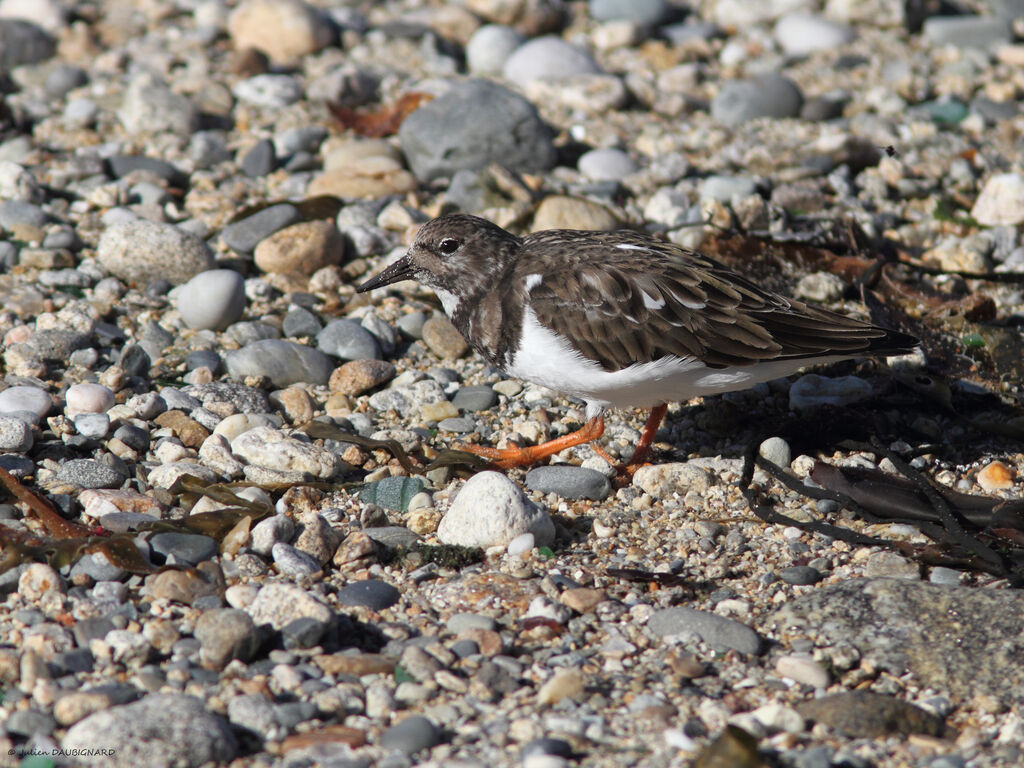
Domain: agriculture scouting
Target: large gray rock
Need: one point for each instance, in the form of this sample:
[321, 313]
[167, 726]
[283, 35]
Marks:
[159, 731]
[961, 640]
[140, 251]
[283, 362]
[475, 124]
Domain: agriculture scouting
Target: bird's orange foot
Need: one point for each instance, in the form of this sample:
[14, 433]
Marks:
[507, 458]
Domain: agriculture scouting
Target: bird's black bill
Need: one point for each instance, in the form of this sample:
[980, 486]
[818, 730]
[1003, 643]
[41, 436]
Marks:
[400, 270]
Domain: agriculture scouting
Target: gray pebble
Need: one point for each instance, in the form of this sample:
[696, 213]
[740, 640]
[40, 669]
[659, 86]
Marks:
[569, 482]
[212, 300]
[546, 745]
[800, 575]
[122, 165]
[302, 633]
[88, 473]
[606, 165]
[983, 32]
[777, 451]
[300, 322]
[372, 593]
[348, 340]
[412, 324]
[475, 398]
[474, 124]
[64, 78]
[187, 548]
[725, 188]
[226, 634]
[29, 722]
[717, 631]
[249, 331]
[489, 48]
[15, 435]
[459, 622]
[739, 101]
[15, 213]
[254, 712]
[393, 536]
[208, 148]
[23, 43]
[150, 107]
[204, 358]
[98, 567]
[92, 425]
[271, 91]
[241, 398]
[243, 236]
[292, 562]
[283, 362]
[23, 398]
[458, 425]
[258, 160]
[640, 12]
[547, 58]
[411, 735]
[306, 138]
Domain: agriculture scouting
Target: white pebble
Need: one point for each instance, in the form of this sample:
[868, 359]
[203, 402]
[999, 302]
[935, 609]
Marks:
[521, 544]
[87, 397]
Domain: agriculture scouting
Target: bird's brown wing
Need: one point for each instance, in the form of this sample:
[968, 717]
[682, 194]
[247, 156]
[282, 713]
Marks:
[622, 298]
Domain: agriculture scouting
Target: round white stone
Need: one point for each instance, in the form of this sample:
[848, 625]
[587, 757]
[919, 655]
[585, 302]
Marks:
[31, 399]
[489, 511]
[87, 397]
[1001, 202]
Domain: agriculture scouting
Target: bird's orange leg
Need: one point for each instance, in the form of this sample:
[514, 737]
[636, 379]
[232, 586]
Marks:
[507, 458]
[646, 438]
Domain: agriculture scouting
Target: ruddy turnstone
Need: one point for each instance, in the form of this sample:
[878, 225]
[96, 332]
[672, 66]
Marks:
[618, 319]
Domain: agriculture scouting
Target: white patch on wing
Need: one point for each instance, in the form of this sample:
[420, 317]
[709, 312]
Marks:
[652, 303]
[532, 281]
[548, 359]
[449, 301]
[631, 247]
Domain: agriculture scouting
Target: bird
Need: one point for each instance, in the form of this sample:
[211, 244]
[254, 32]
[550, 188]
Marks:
[618, 319]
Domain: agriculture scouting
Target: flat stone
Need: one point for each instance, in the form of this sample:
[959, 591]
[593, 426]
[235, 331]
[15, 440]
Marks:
[739, 101]
[358, 376]
[301, 248]
[88, 473]
[569, 482]
[717, 631]
[372, 593]
[443, 338]
[862, 714]
[283, 362]
[244, 235]
[190, 548]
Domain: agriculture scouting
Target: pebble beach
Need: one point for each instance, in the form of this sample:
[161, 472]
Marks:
[232, 532]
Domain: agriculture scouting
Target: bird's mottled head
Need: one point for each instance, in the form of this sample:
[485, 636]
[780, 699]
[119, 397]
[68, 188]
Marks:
[457, 253]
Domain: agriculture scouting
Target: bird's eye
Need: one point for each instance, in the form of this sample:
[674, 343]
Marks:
[448, 246]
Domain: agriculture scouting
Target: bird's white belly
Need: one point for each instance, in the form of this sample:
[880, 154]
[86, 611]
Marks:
[547, 359]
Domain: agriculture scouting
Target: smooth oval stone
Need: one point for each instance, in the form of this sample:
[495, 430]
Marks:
[30, 399]
[569, 482]
[212, 300]
[191, 548]
[372, 593]
[767, 96]
[348, 340]
[283, 362]
[411, 735]
[15, 435]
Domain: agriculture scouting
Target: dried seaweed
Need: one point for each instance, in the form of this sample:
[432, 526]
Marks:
[383, 121]
[448, 457]
[917, 501]
[310, 209]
